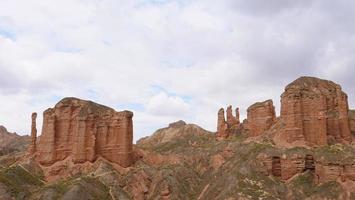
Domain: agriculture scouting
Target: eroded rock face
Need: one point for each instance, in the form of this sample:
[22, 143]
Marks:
[222, 126]
[316, 111]
[85, 130]
[226, 127]
[231, 119]
[261, 116]
[32, 146]
[352, 121]
[282, 166]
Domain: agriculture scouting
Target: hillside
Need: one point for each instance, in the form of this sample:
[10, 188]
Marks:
[11, 142]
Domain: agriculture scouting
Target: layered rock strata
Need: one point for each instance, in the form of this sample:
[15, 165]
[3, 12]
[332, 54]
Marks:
[261, 116]
[352, 121]
[287, 166]
[85, 130]
[316, 111]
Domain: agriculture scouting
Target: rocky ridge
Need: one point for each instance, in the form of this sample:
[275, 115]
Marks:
[11, 142]
[253, 159]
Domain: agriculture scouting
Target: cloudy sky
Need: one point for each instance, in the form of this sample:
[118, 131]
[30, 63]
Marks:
[167, 59]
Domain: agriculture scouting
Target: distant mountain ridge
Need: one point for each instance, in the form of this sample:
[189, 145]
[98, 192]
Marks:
[12, 142]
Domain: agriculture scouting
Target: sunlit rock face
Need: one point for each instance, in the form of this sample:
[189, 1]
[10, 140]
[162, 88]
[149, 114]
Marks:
[85, 130]
[316, 111]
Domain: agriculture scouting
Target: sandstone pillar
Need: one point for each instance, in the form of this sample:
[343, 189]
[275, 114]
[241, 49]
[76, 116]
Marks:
[222, 126]
[32, 147]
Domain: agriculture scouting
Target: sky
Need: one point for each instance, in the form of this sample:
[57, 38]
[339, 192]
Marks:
[167, 60]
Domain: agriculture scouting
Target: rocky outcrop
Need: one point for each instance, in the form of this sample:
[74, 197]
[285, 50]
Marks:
[352, 121]
[84, 130]
[283, 166]
[261, 116]
[316, 111]
[32, 147]
[226, 127]
[232, 120]
[222, 126]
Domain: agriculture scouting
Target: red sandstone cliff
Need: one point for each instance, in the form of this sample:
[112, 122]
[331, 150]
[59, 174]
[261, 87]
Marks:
[261, 116]
[316, 111]
[85, 130]
[352, 121]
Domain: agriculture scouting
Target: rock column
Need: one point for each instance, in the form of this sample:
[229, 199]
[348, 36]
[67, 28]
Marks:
[32, 147]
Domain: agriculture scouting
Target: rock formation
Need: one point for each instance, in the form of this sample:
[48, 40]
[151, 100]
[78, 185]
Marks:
[85, 130]
[32, 146]
[316, 111]
[222, 126]
[261, 116]
[227, 127]
[231, 120]
[352, 121]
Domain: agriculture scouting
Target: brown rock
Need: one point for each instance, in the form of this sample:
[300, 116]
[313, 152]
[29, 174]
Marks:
[32, 146]
[286, 166]
[85, 130]
[222, 126]
[226, 127]
[261, 116]
[231, 120]
[316, 111]
[328, 172]
[352, 121]
[292, 165]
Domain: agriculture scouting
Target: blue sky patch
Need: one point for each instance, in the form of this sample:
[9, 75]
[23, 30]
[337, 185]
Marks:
[7, 34]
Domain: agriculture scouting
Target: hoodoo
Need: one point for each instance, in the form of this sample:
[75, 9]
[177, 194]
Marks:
[85, 130]
[33, 145]
[229, 126]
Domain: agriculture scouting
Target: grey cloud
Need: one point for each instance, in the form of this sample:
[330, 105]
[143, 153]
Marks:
[218, 53]
[9, 82]
[270, 7]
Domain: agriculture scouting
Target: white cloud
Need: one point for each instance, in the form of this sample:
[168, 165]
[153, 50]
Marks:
[165, 105]
[203, 54]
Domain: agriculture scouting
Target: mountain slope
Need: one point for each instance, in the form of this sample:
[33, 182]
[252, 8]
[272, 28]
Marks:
[11, 142]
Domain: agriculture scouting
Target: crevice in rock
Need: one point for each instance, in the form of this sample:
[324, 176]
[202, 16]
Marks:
[276, 166]
[309, 163]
